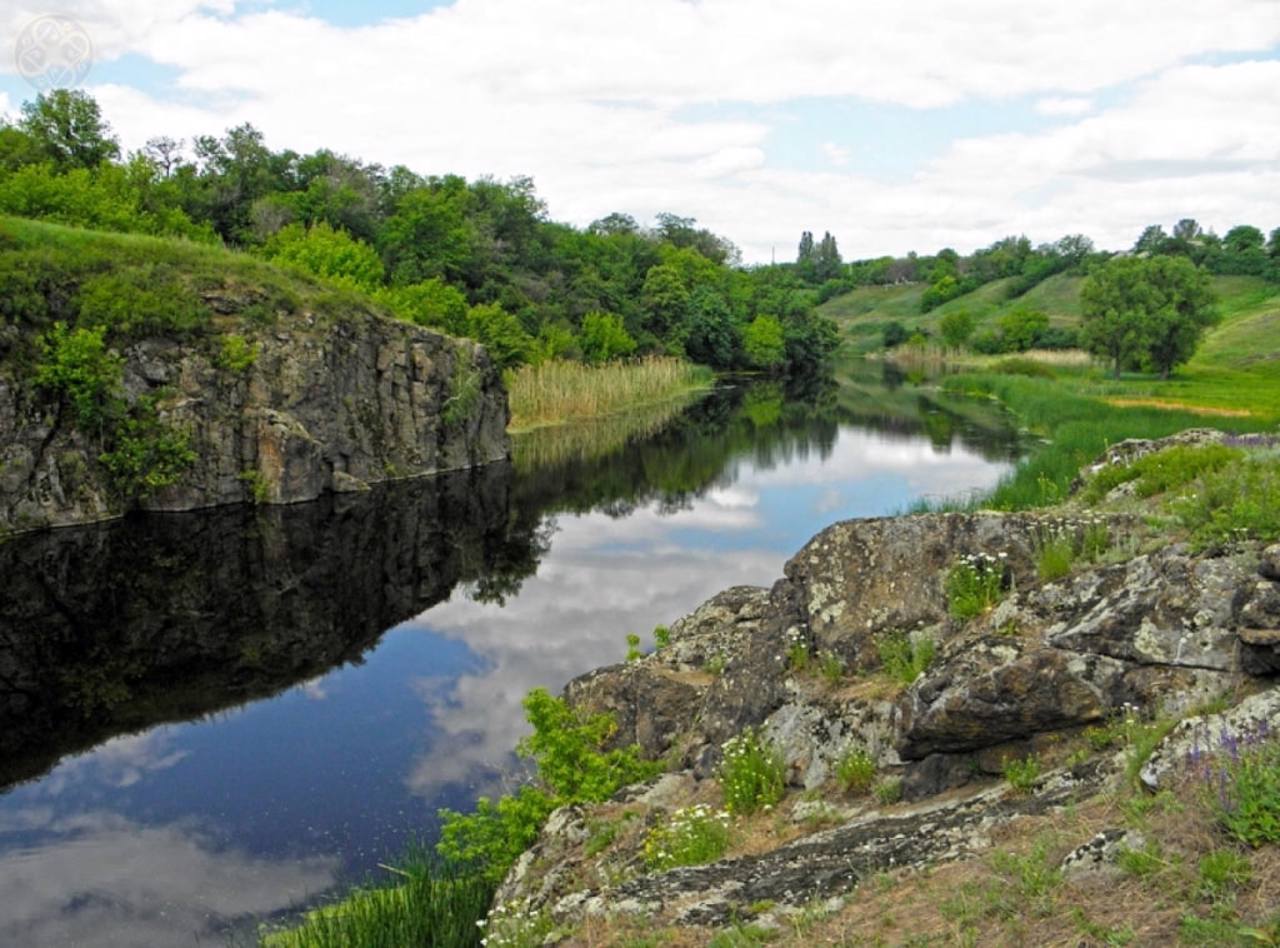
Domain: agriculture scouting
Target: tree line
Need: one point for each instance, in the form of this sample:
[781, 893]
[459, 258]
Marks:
[475, 258]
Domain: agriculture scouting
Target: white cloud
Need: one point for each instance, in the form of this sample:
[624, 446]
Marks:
[592, 98]
[1064, 106]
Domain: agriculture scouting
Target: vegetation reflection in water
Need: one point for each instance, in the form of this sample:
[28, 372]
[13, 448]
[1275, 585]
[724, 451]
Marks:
[117, 629]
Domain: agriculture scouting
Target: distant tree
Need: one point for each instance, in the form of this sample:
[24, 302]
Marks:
[67, 126]
[764, 342]
[1152, 240]
[164, 152]
[605, 338]
[893, 335]
[956, 327]
[806, 250]
[428, 235]
[1151, 311]
[1021, 328]
[1244, 252]
[1074, 248]
[1273, 244]
[665, 300]
[826, 259]
[329, 253]
[615, 223]
[710, 334]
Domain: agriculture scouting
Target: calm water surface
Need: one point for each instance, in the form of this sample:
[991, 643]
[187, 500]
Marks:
[208, 720]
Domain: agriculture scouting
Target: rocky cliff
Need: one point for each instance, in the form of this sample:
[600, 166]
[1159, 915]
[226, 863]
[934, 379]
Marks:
[277, 389]
[1142, 632]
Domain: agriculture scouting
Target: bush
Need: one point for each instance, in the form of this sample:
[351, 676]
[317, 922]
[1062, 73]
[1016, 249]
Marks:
[146, 454]
[489, 839]
[145, 300]
[975, 584]
[77, 365]
[605, 338]
[856, 771]
[1026, 367]
[695, 835]
[903, 659]
[236, 354]
[1022, 774]
[753, 773]
[893, 335]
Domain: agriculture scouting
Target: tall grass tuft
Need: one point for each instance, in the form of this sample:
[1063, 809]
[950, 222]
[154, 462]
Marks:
[557, 391]
[431, 906]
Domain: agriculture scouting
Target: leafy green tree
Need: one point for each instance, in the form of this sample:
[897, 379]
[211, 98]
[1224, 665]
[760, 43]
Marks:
[1021, 328]
[827, 264]
[329, 253]
[77, 364]
[605, 338]
[429, 303]
[1149, 311]
[1152, 240]
[427, 236]
[500, 333]
[764, 343]
[67, 126]
[711, 335]
[1243, 252]
[665, 300]
[956, 327]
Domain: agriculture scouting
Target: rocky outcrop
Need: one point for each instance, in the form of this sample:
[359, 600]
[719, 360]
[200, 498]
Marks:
[1150, 629]
[328, 404]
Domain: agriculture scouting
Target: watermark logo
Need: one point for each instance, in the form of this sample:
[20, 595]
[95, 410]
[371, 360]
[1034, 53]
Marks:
[53, 52]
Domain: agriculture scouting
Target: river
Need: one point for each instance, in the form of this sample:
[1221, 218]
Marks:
[210, 720]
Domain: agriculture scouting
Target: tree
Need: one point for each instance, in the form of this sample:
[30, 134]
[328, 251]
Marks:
[1021, 329]
[764, 343]
[1152, 240]
[428, 235]
[665, 300]
[329, 253]
[429, 303]
[500, 333]
[710, 334]
[164, 152]
[957, 327]
[67, 126]
[1149, 311]
[894, 334]
[826, 260]
[805, 252]
[604, 338]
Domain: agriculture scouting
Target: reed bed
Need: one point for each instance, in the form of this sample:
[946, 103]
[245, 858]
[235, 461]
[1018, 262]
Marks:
[558, 391]
[593, 438]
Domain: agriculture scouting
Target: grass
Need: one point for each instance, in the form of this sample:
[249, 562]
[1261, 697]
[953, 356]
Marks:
[973, 585]
[905, 659]
[752, 774]
[1022, 773]
[694, 835]
[558, 391]
[429, 907]
[856, 771]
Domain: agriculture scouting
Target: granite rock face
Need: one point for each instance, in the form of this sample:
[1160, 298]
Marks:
[326, 405]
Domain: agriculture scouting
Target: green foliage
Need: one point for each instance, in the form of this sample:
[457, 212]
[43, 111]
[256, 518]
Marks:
[1236, 502]
[1027, 367]
[974, 584]
[956, 327]
[1145, 311]
[143, 300]
[1142, 863]
[893, 335]
[500, 333]
[1247, 804]
[464, 390]
[888, 791]
[832, 667]
[1162, 471]
[78, 366]
[905, 659]
[146, 454]
[694, 835]
[763, 342]
[429, 303]
[604, 338]
[258, 485]
[856, 771]
[752, 773]
[67, 128]
[1221, 872]
[429, 905]
[633, 648]
[492, 837]
[1021, 328]
[326, 252]
[1032, 876]
[236, 354]
[661, 636]
[566, 745]
[1055, 555]
[1023, 773]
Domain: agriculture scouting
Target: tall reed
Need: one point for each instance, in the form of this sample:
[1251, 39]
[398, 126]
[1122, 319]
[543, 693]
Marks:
[559, 391]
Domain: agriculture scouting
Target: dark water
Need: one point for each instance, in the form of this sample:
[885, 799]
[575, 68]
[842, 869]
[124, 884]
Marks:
[211, 719]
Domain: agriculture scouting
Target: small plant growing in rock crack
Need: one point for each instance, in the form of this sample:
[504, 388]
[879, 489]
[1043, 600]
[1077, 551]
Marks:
[661, 636]
[694, 835]
[974, 584]
[888, 791]
[715, 664]
[258, 485]
[832, 667]
[797, 650]
[856, 771]
[1068, 541]
[633, 648]
[1022, 773]
[753, 773]
[236, 354]
[904, 659]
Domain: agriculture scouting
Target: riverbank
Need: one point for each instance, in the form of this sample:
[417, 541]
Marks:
[992, 696]
[558, 391]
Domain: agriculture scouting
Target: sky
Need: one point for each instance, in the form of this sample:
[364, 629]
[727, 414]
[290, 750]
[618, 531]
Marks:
[896, 127]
